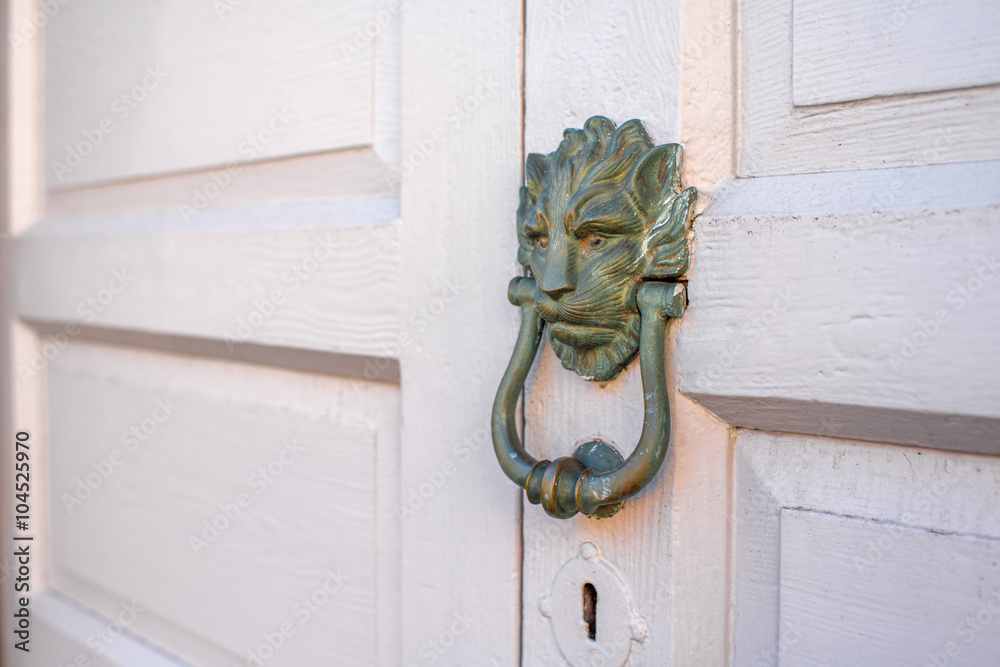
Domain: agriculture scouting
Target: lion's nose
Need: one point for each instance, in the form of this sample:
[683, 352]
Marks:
[556, 292]
[559, 276]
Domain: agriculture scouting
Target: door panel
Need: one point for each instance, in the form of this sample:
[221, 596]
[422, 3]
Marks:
[74, 637]
[905, 600]
[179, 492]
[856, 50]
[841, 286]
[870, 297]
[140, 88]
[205, 254]
[822, 128]
[293, 276]
[850, 553]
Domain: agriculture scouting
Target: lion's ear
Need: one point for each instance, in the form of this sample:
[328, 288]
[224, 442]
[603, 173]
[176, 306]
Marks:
[656, 183]
[657, 179]
[536, 173]
[668, 241]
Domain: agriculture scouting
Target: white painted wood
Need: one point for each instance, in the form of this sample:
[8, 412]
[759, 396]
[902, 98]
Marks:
[669, 543]
[574, 71]
[461, 538]
[441, 530]
[957, 495]
[223, 75]
[855, 50]
[709, 128]
[777, 138]
[847, 289]
[342, 174]
[132, 538]
[671, 528]
[286, 275]
[255, 225]
[867, 593]
[69, 636]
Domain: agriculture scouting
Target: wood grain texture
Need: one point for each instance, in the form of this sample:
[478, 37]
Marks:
[709, 123]
[461, 542]
[855, 50]
[951, 494]
[225, 74]
[342, 174]
[670, 541]
[228, 421]
[911, 604]
[833, 304]
[776, 138]
[628, 68]
[252, 234]
[336, 279]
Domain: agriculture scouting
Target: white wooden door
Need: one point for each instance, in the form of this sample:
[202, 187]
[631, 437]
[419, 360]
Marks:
[203, 275]
[832, 492]
[255, 264]
[254, 259]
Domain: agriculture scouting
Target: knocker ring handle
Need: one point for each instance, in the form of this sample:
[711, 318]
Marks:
[568, 485]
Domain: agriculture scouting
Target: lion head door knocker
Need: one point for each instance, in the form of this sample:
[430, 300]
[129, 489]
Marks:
[603, 225]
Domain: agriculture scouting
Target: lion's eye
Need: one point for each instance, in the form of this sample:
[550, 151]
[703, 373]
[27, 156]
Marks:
[542, 241]
[594, 242]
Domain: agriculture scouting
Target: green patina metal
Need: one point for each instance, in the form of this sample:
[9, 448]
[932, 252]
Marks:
[603, 212]
[603, 226]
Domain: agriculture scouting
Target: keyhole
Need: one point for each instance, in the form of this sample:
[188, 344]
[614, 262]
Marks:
[590, 610]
